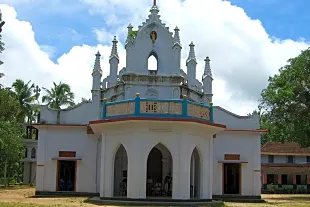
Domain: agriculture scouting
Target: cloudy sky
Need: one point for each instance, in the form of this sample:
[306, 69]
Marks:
[246, 40]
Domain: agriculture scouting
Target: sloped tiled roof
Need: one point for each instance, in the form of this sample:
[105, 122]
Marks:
[284, 148]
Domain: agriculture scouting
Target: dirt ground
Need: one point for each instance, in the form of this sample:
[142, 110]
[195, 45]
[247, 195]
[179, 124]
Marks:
[22, 197]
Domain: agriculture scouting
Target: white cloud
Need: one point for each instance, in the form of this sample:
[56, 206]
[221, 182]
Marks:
[242, 53]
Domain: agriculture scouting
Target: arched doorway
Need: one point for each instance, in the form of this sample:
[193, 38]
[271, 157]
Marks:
[159, 172]
[120, 172]
[195, 174]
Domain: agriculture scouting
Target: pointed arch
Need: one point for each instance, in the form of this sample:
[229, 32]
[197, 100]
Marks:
[195, 173]
[120, 169]
[159, 171]
[152, 61]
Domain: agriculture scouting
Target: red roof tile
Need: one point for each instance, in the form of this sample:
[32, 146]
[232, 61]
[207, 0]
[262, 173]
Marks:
[286, 147]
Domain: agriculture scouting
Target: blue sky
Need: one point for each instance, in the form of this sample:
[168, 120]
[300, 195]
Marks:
[255, 37]
[72, 24]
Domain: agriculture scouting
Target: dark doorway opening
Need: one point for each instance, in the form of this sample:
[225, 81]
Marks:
[66, 175]
[232, 178]
[159, 172]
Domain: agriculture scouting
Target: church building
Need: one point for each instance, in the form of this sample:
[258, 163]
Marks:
[149, 133]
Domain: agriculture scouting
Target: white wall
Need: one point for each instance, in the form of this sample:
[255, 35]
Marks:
[139, 137]
[53, 139]
[283, 159]
[248, 146]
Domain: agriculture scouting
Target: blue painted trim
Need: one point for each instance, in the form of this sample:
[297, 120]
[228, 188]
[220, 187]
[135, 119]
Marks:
[104, 110]
[137, 113]
[211, 114]
[137, 106]
[184, 107]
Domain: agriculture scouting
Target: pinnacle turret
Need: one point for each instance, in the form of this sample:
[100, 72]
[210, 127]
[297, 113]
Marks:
[177, 36]
[114, 49]
[97, 66]
[191, 55]
[207, 71]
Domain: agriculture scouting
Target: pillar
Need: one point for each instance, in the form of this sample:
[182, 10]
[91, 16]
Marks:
[265, 179]
[42, 143]
[211, 167]
[294, 179]
[102, 166]
[181, 169]
[136, 181]
[205, 171]
[279, 179]
[308, 179]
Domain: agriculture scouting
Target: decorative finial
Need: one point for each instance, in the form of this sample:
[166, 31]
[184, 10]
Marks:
[114, 49]
[184, 97]
[154, 2]
[191, 55]
[207, 71]
[97, 62]
[138, 95]
[105, 100]
[177, 35]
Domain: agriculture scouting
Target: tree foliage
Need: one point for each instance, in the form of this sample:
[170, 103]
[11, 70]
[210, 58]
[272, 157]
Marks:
[26, 96]
[1, 43]
[285, 103]
[11, 134]
[59, 95]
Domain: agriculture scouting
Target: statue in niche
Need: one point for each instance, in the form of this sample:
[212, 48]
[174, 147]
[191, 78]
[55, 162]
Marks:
[153, 36]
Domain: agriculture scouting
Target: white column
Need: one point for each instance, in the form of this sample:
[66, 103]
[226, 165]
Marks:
[210, 166]
[205, 170]
[184, 169]
[42, 143]
[102, 164]
[256, 171]
[136, 173]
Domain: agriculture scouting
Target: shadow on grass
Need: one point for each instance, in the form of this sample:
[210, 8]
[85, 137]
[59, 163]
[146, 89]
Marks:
[292, 198]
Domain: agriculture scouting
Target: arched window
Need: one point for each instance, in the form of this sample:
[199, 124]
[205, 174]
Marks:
[152, 62]
[33, 153]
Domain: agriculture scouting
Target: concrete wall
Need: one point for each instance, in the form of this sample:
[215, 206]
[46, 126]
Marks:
[54, 139]
[248, 146]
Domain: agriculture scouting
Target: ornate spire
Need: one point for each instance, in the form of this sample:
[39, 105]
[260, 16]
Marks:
[191, 55]
[176, 35]
[154, 9]
[97, 66]
[114, 49]
[207, 71]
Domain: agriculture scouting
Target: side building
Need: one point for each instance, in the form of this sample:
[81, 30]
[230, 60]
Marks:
[285, 166]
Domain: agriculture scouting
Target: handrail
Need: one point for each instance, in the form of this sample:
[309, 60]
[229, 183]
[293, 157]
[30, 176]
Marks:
[181, 108]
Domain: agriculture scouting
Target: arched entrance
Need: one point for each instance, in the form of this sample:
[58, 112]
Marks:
[159, 172]
[195, 174]
[120, 172]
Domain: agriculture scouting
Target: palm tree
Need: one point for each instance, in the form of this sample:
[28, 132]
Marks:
[59, 95]
[26, 95]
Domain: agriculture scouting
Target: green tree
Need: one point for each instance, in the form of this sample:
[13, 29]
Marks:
[59, 95]
[285, 103]
[1, 43]
[11, 135]
[26, 95]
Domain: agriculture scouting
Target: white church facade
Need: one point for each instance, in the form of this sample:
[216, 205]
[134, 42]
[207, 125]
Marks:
[149, 133]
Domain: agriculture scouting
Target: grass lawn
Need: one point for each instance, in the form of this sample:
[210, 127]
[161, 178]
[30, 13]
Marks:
[21, 196]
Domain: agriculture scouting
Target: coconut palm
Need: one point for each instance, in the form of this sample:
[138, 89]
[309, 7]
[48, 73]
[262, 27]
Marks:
[59, 95]
[26, 95]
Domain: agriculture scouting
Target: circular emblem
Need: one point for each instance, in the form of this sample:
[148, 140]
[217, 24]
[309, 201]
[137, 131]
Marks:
[153, 36]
